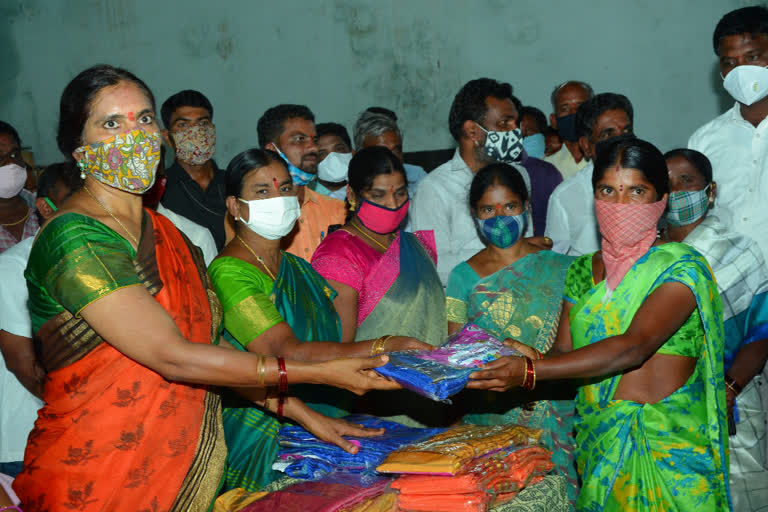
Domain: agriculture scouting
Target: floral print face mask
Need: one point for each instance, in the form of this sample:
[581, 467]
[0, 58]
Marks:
[195, 144]
[128, 161]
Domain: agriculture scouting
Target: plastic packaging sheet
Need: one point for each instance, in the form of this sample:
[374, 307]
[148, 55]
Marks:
[443, 372]
[334, 493]
[302, 455]
[447, 453]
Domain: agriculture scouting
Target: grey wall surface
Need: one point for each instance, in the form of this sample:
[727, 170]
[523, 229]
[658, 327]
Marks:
[341, 56]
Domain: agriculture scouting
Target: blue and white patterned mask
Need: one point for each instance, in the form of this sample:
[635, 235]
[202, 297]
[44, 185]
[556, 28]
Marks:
[503, 230]
[298, 176]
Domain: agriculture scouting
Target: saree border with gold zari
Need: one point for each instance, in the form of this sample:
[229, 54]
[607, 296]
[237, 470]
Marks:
[114, 434]
[252, 304]
[670, 455]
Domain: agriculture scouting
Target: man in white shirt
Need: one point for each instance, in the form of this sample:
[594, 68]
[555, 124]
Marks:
[21, 378]
[441, 201]
[566, 100]
[571, 222]
[736, 142]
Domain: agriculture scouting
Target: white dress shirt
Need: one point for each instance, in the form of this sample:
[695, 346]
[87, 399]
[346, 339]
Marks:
[441, 204]
[738, 153]
[18, 407]
[571, 221]
[196, 233]
[565, 163]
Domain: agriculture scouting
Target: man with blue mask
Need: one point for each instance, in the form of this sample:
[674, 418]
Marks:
[483, 121]
[566, 100]
[533, 124]
[571, 221]
[736, 142]
[289, 130]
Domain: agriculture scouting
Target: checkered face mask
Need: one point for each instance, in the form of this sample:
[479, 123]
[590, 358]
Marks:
[686, 206]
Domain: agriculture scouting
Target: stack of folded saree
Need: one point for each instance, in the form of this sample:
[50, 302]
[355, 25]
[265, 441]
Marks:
[339, 492]
[450, 451]
[302, 455]
[467, 468]
[443, 372]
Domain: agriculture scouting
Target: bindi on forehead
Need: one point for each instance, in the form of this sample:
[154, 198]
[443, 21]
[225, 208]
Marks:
[275, 183]
[131, 116]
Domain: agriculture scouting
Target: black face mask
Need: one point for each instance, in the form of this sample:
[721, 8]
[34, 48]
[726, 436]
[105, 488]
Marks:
[566, 128]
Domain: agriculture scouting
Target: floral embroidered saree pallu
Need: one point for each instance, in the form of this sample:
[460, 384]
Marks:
[114, 434]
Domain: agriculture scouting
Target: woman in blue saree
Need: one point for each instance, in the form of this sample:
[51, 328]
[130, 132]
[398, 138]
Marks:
[513, 289]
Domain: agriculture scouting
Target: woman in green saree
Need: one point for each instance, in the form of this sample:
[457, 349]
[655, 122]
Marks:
[274, 301]
[643, 323]
[513, 289]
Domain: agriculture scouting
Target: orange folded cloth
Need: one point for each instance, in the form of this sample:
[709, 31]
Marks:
[448, 452]
[473, 502]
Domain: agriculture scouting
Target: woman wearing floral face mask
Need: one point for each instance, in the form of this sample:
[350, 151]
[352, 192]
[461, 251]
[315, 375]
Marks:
[273, 302]
[514, 290]
[386, 279]
[642, 321]
[127, 323]
[742, 279]
[17, 218]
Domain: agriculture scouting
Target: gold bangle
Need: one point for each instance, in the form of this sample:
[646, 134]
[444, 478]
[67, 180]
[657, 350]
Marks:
[533, 366]
[378, 345]
[262, 369]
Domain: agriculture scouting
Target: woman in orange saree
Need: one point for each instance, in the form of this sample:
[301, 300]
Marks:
[126, 321]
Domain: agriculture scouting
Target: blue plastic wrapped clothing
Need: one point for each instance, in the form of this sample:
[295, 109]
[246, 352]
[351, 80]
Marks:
[443, 372]
[302, 455]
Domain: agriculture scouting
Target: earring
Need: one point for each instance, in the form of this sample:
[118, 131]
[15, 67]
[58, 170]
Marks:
[352, 205]
[81, 165]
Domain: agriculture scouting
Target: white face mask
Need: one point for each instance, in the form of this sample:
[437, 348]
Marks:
[747, 84]
[334, 167]
[12, 179]
[272, 218]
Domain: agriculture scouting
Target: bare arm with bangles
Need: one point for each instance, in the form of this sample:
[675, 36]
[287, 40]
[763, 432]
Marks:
[658, 318]
[155, 342]
[279, 340]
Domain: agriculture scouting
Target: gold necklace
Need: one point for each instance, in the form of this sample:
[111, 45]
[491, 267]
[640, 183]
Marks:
[26, 215]
[258, 258]
[135, 240]
[369, 237]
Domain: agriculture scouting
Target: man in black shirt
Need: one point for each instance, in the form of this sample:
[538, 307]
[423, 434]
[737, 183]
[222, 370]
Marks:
[196, 188]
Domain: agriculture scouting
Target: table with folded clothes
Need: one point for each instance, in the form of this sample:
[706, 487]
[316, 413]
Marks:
[467, 468]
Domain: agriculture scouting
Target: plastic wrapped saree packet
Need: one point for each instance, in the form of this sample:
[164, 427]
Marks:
[302, 455]
[335, 493]
[443, 372]
[447, 453]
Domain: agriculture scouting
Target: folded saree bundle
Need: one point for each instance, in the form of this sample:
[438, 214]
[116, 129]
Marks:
[448, 452]
[443, 372]
[302, 455]
[339, 492]
[486, 481]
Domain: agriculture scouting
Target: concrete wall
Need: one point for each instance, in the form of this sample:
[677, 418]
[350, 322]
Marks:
[340, 56]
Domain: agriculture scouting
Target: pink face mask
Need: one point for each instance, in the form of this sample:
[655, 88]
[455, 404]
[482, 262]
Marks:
[628, 230]
[381, 219]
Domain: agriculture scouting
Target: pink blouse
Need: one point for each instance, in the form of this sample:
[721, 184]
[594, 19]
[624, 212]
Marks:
[345, 258]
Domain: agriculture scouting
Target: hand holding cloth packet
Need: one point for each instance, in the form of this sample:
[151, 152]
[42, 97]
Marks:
[443, 372]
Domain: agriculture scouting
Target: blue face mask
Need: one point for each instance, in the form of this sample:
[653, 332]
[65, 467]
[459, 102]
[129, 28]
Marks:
[535, 145]
[503, 230]
[566, 127]
[298, 176]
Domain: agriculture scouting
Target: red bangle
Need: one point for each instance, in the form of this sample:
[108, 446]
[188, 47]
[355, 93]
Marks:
[528, 381]
[283, 386]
